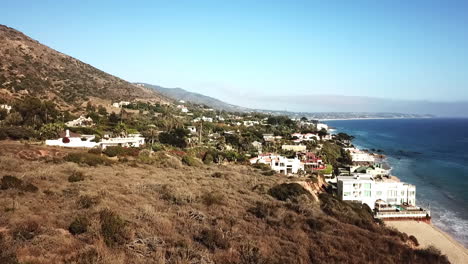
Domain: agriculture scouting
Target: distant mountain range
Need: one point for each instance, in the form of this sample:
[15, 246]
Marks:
[29, 67]
[178, 94]
[196, 98]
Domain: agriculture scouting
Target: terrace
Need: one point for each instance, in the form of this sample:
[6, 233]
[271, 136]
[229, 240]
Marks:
[399, 212]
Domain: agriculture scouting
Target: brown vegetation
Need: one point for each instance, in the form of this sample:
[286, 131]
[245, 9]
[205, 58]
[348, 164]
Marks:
[135, 212]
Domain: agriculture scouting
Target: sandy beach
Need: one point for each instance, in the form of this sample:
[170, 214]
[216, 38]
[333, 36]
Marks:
[428, 234]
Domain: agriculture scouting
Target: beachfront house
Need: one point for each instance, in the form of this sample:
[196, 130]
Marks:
[279, 163]
[321, 126]
[359, 156]
[367, 189]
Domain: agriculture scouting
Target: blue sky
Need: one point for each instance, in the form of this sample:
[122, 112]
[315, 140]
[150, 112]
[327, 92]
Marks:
[239, 51]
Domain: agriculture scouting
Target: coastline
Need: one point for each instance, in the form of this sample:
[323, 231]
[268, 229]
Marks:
[371, 118]
[427, 234]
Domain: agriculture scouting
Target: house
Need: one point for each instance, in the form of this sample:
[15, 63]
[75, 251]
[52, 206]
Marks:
[258, 146]
[6, 107]
[81, 121]
[271, 137]
[298, 137]
[359, 156]
[367, 189]
[192, 129]
[120, 104]
[279, 163]
[321, 126]
[295, 148]
[183, 108]
[72, 140]
[136, 141]
[204, 119]
[250, 123]
[374, 170]
[311, 161]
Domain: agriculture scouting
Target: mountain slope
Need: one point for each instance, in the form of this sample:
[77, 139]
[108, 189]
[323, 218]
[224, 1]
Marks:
[181, 94]
[29, 67]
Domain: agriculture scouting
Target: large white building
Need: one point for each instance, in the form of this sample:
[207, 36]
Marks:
[73, 140]
[367, 189]
[279, 163]
[321, 126]
[358, 155]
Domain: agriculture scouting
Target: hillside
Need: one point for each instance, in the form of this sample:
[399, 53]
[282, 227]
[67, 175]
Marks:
[29, 67]
[158, 210]
[196, 98]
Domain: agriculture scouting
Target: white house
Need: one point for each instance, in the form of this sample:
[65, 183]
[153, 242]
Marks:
[279, 163]
[136, 142]
[298, 137]
[72, 140]
[321, 126]
[358, 155]
[120, 104]
[368, 190]
[250, 123]
[294, 147]
[192, 129]
[271, 137]
[374, 170]
[80, 121]
[204, 119]
[258, 146]
[6, 107]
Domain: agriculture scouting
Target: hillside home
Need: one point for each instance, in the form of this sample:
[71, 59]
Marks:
[279, 163]
[192, 129]
[258, 146]
[271, 137]
[298, 137]
[295, 148]
[311, 161]
[81, 121]
[250, 123]
[120, 104]
[366, 189]
[6, 107]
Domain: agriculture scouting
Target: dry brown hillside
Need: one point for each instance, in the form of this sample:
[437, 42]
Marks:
[57, 211]
[27, 66]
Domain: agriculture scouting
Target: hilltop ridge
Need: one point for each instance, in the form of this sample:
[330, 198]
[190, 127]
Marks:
[29, 67]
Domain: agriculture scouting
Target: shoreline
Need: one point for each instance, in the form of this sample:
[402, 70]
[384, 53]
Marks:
[371, 118]
[386, 160]
[428, 234]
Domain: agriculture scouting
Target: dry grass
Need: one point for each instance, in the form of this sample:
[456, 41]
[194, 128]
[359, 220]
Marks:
[161, 214]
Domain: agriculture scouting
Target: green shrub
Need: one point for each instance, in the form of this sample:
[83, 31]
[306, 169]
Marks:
[287, 191]
[114, 151]
[79, 225]
[76, 176]
[269, 173]
[208, 159]
[213, 198]
[112, 228]
[261, 166]
[213, 239]
[17, 132]
[11, 182]
[191, 161]
[88, 159]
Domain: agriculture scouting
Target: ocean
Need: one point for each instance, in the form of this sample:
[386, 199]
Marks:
[429, 153]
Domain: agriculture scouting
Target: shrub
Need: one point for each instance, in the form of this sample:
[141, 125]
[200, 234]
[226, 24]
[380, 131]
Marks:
[191, 161]
[112, 228]
[79, 225]
[208, 159]
[26, 230]
[113, 151]
[76, 176]
[414, 240]
[96, 151]
[87, 158]
[17, 132]
[263, 210]
[217, 175]
[87, 201]
[212, 239]
[287, 191]
[11, 182]
[269, 173]
[213, 198]
[315, 224]
[261, 166]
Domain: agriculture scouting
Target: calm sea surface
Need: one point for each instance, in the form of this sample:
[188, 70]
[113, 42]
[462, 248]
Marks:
[429, 153]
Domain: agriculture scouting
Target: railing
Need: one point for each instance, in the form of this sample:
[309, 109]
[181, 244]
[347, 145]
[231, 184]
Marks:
[402, 214]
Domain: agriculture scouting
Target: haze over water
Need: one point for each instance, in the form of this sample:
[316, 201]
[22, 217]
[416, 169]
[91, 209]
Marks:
[429, 153]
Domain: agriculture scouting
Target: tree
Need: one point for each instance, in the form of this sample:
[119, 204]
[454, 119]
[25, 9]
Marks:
[14, 119]
[113, 118]
[102, 110]
[3, 114]
[51, 130]
[176, 137]
[321, 133]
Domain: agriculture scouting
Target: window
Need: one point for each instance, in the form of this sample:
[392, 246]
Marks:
[367, 185]
[367, 193]
[347, 194]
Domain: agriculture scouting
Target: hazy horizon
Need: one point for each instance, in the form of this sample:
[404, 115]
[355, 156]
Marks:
[407, 56]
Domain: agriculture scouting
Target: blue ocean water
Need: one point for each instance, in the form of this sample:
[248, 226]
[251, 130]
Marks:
[429, 153]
